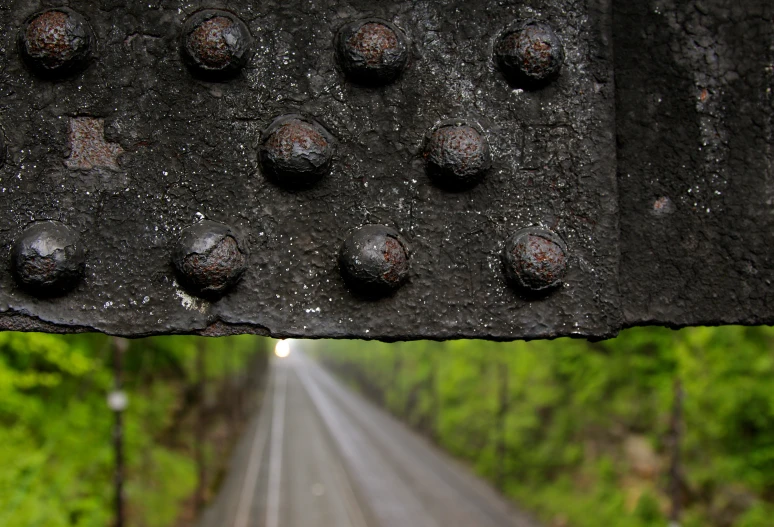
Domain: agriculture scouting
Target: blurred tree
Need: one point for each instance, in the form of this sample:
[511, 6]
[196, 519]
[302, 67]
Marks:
[582, 433]
[56, 459]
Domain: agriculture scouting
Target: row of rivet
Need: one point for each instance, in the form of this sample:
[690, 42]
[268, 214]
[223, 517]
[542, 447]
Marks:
[217, 44]
[295, 152]
[49, 260]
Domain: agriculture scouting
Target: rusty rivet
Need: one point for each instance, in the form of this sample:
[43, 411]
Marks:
[535, 259]
[208, 259]
[457, 155]
[374, 261]
[296, 152]
[372, 51]
[48, 259]
[530, 55]
[216, 44]
[56, 43]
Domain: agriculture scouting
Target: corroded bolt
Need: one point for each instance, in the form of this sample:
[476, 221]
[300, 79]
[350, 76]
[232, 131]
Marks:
[209, 259]
[48, 259]
[457, 155]
[296, 152]
[56, 43]
[374, 261]
[535, 259]
[529, 55]
[216, 44]
[372, 51]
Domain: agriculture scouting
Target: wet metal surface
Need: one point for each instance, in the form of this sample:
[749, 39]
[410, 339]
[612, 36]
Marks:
[659, 184]
[3, 151]
[695, 124]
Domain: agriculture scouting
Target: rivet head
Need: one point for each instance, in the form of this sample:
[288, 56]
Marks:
[529, 55]
[209, 259]
[296, 152]
[48, 259]
[372, 51]
[56, 43]
[535, 259]
[374, 261]
[216, 44]
[457, 155]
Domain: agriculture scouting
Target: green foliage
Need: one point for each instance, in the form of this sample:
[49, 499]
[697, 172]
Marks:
[56, 456]
[550, 421]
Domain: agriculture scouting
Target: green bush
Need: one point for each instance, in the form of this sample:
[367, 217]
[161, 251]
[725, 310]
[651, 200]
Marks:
[56, 455]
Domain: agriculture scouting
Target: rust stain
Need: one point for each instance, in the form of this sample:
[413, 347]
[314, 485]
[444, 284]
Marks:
[540, 261]
[217, 268]
[48, 39]
[296, 137]
[372, 41]
[210, 43]
[463, 143]
[537, 55]
[88, 148]
[395, 256]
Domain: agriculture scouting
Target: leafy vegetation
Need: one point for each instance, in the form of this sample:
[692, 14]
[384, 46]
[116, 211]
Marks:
[56, 455]
[584, 434]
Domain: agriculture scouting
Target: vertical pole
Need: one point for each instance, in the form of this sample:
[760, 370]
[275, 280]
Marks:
[502, 413]
[675, 439]
[236, 385]
[432, 386]
[119, 347]
[399, 383]
[200, 425]
[234, 376]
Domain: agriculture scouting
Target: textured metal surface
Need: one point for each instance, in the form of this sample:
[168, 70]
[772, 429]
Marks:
[457, 125]
[695, 122]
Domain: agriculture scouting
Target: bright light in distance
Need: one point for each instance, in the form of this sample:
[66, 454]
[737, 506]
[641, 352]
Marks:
[282, 349]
